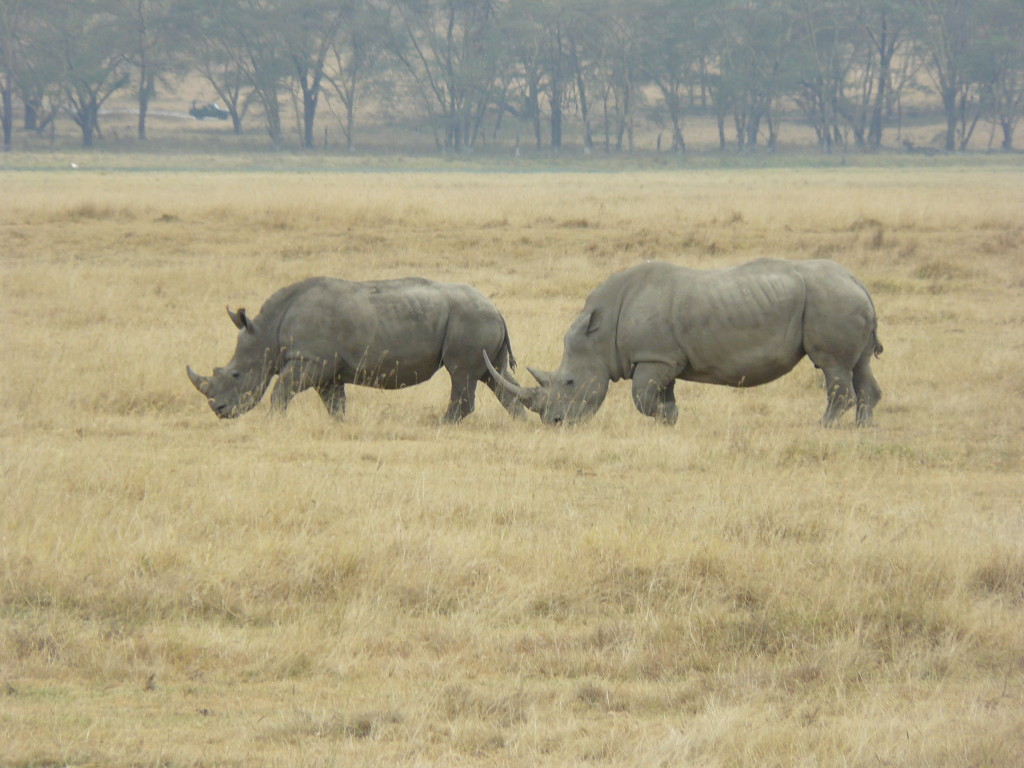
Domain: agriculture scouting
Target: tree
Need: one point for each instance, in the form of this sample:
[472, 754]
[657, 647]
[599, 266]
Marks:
[523, 24]
[450, 48]
[949, 38]
[210, 46]
[258, 34]
[756, 65]
[356, 51]
[88, 37]
[1003, 67]
[309, 29]
[241, 50]
[150, 46]
[12, 20]
[581, 79]
[544, 50]
[885, 27]
[671, 54]
[557, 61]
[821, 62]
[624, 70]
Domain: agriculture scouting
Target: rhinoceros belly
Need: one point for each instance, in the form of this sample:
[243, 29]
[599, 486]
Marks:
[386, 369]
[743, 367]
[744, 332]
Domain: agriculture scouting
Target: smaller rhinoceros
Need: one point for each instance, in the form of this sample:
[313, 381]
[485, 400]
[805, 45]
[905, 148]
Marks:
[325, 333]
[744, 326]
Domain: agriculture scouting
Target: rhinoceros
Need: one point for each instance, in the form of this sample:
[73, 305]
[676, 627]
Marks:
[743, 326]
[325, 333]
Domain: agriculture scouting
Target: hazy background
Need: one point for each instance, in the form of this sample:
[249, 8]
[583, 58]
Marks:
[514, 76]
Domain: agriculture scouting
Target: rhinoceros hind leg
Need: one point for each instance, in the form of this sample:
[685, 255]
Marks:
[654, 392]
[839, 388]
[463, 400]
[867, 390]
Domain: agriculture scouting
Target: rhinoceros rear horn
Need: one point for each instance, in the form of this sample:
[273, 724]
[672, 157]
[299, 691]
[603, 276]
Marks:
[199, 382]
[543, 377]
[528, 396]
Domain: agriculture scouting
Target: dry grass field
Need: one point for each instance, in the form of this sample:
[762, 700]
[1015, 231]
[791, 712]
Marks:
[742, 589]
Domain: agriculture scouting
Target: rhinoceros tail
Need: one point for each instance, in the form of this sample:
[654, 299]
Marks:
[877, 347]
[506, 346]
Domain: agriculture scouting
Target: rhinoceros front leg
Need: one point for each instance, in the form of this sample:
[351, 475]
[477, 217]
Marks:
[333, 395]
[295, 376]
[654, 392]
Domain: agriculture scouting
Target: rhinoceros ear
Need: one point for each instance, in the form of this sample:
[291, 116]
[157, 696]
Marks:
[240, 319]
[593, 322]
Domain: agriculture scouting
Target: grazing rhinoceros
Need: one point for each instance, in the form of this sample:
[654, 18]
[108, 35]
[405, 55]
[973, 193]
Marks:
[744, 326]
[325, 333]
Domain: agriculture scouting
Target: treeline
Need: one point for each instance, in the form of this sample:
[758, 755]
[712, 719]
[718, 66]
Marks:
[459, 67]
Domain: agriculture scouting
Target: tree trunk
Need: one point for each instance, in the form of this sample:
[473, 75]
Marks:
[556, 120]
[273, 123]
[1007, 125]
[877, 109]
[309, 102]
[533, 103]
[588, 138]
[8, 119]
[949, 107]
[145, 92]
[350, 124]
[31, 121]
[88, 124]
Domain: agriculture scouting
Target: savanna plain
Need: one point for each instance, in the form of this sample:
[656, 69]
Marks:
[742, 589]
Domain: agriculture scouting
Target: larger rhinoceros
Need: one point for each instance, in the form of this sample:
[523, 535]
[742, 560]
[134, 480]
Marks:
[743, 326]
[325, 333]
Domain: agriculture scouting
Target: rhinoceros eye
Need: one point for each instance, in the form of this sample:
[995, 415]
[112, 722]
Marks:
[569, 382]
[235, 375]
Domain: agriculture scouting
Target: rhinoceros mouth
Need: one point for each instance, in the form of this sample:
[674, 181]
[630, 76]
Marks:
[223, 410]
[231, 410]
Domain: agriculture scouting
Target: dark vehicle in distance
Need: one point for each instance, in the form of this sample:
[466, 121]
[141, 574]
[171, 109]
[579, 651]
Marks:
[210, 109]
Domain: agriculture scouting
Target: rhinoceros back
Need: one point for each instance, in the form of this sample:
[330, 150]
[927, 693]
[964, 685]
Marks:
[386, 333]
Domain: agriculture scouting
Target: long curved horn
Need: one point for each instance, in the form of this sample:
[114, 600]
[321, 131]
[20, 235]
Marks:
[199, 382]
[528, 396]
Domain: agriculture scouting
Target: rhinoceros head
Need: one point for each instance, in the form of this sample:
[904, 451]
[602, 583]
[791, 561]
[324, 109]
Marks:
[239, 385]
[572, 393]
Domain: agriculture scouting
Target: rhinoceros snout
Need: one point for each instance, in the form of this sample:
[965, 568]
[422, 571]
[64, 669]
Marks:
[223, 410]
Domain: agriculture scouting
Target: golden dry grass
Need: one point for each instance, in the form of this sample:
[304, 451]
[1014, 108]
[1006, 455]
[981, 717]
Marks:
[744, 589]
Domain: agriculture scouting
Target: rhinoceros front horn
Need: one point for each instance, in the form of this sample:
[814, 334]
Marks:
[528, 396]
[199, 382]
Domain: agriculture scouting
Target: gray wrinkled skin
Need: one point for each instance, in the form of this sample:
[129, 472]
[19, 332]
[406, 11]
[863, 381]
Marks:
[741, 327]
[325, 333]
